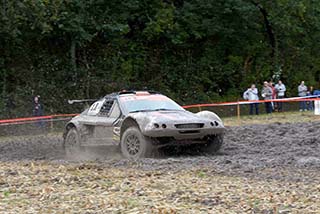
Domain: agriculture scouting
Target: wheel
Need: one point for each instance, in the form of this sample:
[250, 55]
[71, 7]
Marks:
[135, 145]
[214, 143]
[72, 143]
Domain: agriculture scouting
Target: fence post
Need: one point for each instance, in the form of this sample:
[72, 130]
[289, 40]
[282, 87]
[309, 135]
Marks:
[238, 112]
[51, 124]
[199, 108]
[317, 107]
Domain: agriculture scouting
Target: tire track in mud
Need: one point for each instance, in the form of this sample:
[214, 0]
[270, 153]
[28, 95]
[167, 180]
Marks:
[246, 149]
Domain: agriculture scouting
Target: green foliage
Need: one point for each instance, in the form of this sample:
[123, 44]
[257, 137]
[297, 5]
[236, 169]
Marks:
[6, 194]
[192, 50]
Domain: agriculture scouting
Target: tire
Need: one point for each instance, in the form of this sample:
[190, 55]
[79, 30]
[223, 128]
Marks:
[135, 145]
[72, 144]
[213, 145]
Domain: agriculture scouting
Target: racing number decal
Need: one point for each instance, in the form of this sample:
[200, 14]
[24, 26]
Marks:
[94, 106]
[94, 109]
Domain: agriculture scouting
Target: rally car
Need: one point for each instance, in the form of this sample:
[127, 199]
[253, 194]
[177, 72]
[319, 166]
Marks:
[140, 122]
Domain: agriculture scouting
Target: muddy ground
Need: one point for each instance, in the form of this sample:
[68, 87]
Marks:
[271, 168]
[247, 150]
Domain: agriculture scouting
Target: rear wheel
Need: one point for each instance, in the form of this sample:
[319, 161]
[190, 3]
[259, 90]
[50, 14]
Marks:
[213, 145]
[135, 145]
[72, 143]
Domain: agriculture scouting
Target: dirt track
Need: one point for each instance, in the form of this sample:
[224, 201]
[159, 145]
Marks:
[246, 150]
[261, 169]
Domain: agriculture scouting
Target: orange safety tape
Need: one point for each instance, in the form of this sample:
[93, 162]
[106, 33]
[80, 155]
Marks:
[25, 119]
[21, 120]
[248, 102]
[34, 121]
[17, 120]
[64, 115]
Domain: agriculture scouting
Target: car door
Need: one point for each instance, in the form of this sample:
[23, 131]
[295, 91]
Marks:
[104, 124]
[99, 121]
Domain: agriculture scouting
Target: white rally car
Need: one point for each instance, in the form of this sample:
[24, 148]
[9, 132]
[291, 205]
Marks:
[140, 122]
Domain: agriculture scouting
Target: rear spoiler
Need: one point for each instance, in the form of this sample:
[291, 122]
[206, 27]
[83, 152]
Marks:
[81, 101]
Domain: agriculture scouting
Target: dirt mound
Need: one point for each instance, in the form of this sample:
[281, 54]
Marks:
[245, 149]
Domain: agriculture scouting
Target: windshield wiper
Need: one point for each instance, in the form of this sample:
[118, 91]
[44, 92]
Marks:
[165, 109]
[135, 111]
[158, 109]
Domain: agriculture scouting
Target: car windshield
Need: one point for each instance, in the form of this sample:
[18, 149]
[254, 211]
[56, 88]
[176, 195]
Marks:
[134, 103]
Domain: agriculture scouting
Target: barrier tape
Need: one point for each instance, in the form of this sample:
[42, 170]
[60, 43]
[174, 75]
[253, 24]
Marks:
[52, 118]
[242, 102]
[34, 119]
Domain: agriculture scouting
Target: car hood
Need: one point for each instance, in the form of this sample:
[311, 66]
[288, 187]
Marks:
[167, 117]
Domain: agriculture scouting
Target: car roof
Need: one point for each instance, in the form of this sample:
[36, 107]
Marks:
[138, 92]
[130, 92]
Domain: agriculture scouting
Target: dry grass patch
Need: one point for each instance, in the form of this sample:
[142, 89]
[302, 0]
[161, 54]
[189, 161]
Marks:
[276, 117]
[90, 188]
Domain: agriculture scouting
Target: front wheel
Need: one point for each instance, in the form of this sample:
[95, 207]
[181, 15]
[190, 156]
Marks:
[135, 145]
[213, 145]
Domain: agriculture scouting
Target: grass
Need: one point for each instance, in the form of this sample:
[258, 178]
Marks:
[276, 117]
[48, 188]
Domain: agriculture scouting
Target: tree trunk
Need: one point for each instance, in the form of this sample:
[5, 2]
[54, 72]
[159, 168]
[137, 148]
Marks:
[4, 5]
[272, 40]
[88, 83]
[73, 56]
[3, 97]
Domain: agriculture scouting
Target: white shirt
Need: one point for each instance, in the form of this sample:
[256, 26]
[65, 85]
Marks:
[281, 89]
[252, 94]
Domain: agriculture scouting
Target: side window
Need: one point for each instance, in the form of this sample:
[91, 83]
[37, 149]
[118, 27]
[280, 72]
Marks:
[115, 111]
[106, 107]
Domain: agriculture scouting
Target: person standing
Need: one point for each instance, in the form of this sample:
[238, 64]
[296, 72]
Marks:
[37, 110]
[302, 92]
[251, 94]
[310, 103]
[273, 96]
[266, 93]
[281, 90]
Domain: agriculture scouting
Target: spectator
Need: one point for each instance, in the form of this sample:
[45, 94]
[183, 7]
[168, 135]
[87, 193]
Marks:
[310, 103]
[274, 95]
[37, 109]
[280, 89]
[251, 94]
[316, 93]
[302, 92]
[266, 93]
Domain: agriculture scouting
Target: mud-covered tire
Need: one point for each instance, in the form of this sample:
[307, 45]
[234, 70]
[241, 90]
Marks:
[213, 145]
[135, 145]
[72, 144]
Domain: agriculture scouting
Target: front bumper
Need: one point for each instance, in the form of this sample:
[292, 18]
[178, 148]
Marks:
[182, 134]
